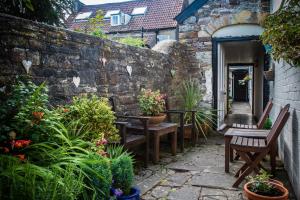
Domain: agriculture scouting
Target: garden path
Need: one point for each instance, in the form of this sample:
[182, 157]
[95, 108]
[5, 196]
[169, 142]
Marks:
[197, 174]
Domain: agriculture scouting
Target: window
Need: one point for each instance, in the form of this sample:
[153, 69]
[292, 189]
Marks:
[115, 20]
[163, 37]
[83, 16]
[111, 12]
[139, 11]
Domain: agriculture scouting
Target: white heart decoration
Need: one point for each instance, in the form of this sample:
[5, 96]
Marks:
[27, 64]
[129, 69]
[103, 60]
[2, 89]
[76, 81]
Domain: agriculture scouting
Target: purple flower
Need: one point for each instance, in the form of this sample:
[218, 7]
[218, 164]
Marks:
[118, 192]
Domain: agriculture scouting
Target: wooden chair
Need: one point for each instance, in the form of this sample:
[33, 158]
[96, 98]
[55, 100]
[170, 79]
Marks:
[261, 121]
[182, 126]
[130, 140]
[252, 150]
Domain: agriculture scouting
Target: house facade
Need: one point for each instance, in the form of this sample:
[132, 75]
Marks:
[151, 20]
[224, 36]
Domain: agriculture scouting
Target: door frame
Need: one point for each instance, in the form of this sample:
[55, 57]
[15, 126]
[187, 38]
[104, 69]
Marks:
[215, 42]
[253, 79]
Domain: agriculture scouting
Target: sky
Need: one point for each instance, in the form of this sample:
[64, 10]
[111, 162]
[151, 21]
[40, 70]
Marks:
[91, 2]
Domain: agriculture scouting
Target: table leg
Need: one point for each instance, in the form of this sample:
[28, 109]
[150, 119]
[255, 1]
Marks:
[174, 142]
[227, 152]
[156, 148]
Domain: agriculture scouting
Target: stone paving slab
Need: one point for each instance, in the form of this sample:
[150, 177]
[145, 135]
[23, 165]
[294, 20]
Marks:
[213, 180]
[213, 194]
[185, 193]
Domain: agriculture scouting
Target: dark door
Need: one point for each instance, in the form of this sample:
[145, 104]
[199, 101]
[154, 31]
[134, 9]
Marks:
[240, 88]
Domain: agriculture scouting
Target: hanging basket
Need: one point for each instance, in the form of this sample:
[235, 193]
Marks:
[269, 75]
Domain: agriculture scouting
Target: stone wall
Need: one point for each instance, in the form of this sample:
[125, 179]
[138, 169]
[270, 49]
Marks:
[64, 58]
[197, 30]
[286, 89]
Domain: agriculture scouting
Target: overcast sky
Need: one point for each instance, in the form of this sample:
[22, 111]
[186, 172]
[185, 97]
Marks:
[91, 2]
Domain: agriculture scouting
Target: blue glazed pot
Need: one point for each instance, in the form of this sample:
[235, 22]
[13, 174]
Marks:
[134, 195]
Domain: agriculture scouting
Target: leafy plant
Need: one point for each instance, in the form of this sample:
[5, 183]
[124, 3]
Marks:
[191, 95]
[282, 32]
[268, 124]
[151, 103]
[48, 11]
[137, 42]
[94, 115]
[122, 171]
[261, 185]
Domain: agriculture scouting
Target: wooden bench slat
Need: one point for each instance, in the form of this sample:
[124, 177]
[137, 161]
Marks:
[250, 141]
[255, 142]
[245, 142]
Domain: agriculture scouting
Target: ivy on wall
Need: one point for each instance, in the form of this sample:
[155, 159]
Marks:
[282, 32]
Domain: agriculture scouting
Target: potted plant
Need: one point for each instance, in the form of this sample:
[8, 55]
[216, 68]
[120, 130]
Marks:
[191, 96]
[122, 173]
[152, 104]
[268, 124]
[261, 187]
[269, 75]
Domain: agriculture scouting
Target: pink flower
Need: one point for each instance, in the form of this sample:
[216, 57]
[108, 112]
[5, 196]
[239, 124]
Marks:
[101, 142]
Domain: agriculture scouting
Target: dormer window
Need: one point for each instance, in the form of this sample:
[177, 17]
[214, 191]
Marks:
[83, 16]
[139, 11]
[115, 20]
[110, 13]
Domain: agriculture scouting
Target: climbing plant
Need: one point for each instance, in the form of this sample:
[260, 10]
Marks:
[282, 32]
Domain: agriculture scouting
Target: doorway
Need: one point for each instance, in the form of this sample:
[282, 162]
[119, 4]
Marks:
[245, 92]
[240, 88]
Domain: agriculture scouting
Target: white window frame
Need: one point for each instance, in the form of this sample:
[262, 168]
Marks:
[83, 16]
[139, 10]
[118, 20]
[109, 13]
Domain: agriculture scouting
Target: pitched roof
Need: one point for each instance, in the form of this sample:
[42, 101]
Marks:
[160, 14]
[190, 10]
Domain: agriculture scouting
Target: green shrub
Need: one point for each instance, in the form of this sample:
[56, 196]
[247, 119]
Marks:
[95, 116]
[122, 171]
[102, 166]
[282, 32]
[268, 124]
[137, 42]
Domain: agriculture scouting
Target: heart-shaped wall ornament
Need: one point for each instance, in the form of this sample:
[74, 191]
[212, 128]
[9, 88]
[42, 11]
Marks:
[27, 64]
[76, 81]
[129, 69]
[103, 60]
[2, 89]
[173, 72]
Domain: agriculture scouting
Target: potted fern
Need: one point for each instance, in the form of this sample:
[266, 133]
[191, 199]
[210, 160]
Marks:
[261, 187]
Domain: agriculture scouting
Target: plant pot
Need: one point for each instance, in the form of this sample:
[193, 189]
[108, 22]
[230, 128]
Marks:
[157, 119]
[187, 133]
[269, 75]
[253, 196]
[134, 195]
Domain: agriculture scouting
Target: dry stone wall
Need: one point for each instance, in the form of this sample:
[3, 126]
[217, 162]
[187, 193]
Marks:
[72, 63]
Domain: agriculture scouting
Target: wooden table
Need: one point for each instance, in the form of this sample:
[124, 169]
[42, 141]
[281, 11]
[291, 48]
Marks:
[156, 131]
[257, 133]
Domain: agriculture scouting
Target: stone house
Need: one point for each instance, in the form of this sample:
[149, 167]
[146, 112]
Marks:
[152, 20]
[229, 65]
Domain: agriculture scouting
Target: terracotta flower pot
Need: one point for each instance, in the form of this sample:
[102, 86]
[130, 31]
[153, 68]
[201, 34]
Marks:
[253, 196]
[187, 133]
[157, 119]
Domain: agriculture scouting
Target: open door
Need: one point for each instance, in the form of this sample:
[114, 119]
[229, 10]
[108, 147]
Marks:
[221, 88]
